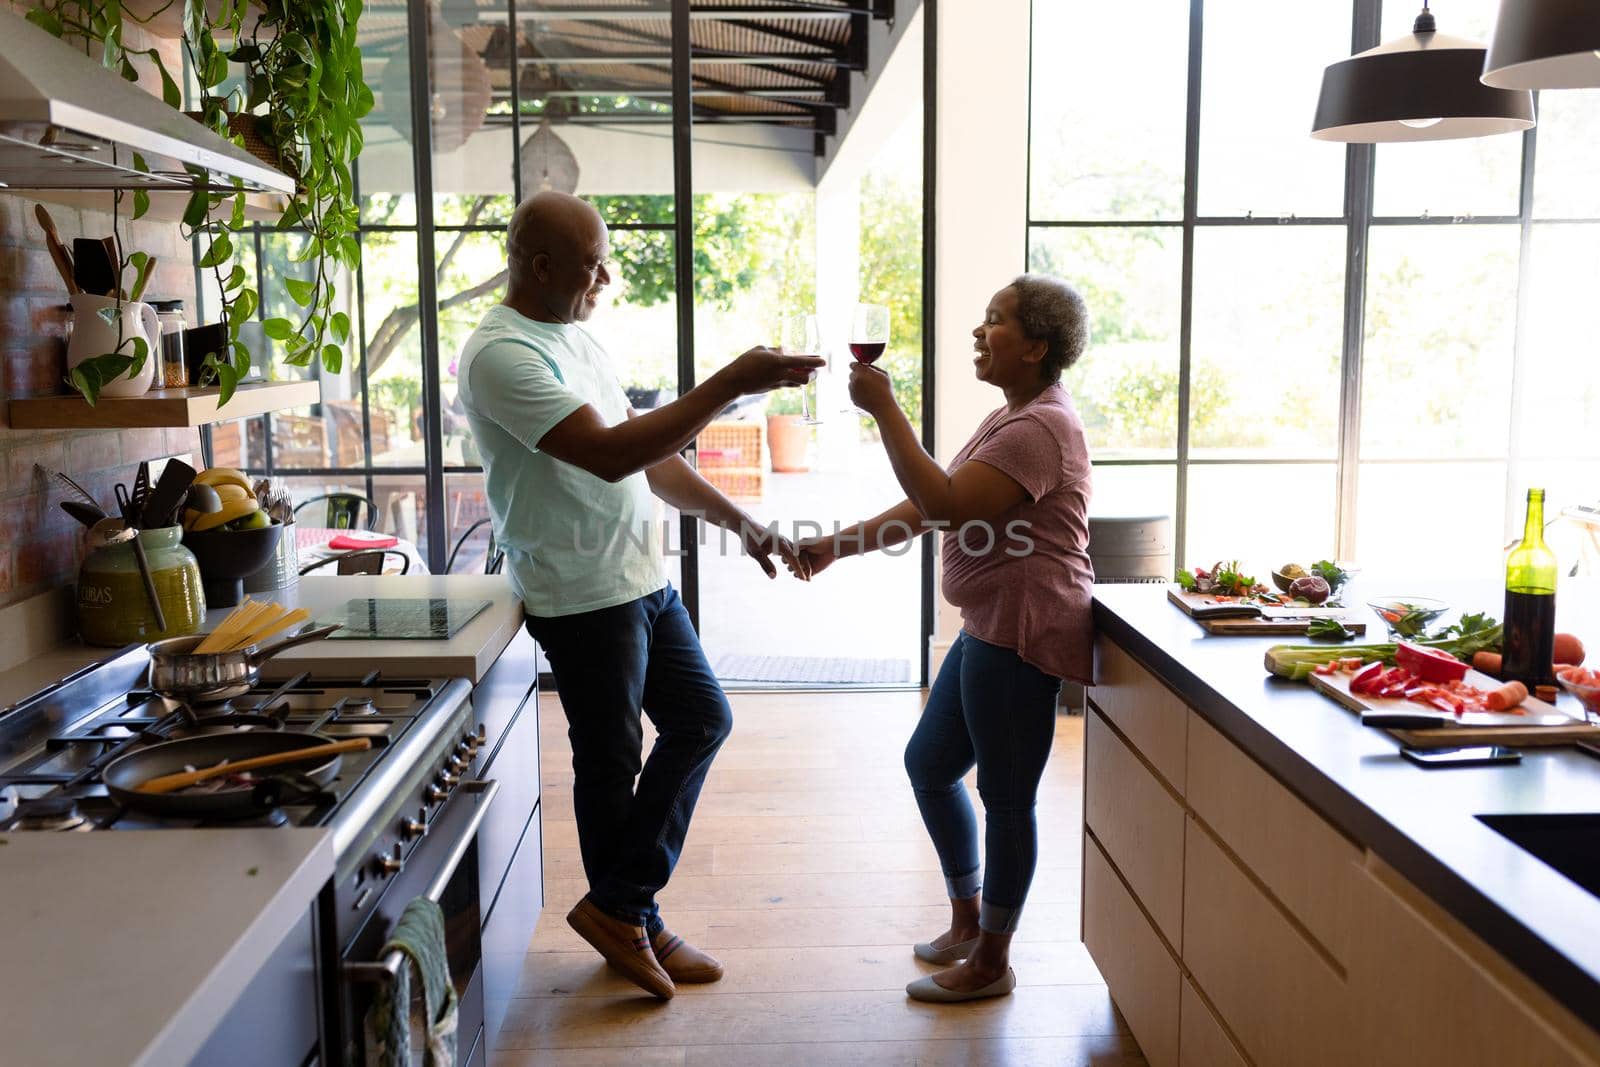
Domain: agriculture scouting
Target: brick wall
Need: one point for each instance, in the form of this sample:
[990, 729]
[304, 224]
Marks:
[40, 546]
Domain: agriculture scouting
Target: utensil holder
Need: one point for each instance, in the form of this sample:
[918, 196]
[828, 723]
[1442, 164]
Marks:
[112, 607]
[282, 570]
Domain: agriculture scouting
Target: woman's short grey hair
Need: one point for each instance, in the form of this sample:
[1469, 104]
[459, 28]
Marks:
[1051, 311]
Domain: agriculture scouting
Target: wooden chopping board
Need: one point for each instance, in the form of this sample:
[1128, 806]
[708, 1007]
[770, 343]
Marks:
[1271, 623]
[1543, 724]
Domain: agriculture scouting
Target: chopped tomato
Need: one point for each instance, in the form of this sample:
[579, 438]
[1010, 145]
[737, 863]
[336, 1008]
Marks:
[1365, 682]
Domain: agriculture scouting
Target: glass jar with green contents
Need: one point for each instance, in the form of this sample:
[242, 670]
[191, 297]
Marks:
[113, 607]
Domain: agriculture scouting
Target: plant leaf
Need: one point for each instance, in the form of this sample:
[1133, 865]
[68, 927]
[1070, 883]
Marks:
[221, 248]
[277, 329]
[301, 292]
[332, 358]
[340, 324]
[228, 380]
[194, 213]
[234, 279]
[141, 203]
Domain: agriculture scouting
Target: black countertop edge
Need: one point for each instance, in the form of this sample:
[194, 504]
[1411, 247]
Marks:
[1570, 984]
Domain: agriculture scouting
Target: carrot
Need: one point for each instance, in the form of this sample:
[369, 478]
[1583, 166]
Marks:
[1508, 696]
[1487, 662]
[1568, 649]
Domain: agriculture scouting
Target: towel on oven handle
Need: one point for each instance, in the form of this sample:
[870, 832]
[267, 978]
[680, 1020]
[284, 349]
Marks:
[419, 936]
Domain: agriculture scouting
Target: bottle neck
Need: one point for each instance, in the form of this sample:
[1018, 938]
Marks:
[1533, 529]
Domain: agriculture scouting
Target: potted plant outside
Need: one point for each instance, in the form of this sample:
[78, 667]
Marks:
[788, 438]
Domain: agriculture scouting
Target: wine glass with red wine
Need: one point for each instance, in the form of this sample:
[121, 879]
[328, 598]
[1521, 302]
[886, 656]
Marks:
[869, 335]
[802, 337]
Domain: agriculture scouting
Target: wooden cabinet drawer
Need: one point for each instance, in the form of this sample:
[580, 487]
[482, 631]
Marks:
[1427, 991]
[1201, 1039]
[1307, 864]
[1141, 973]
[1138, 823]
[1146, 712]
[1283, 1001]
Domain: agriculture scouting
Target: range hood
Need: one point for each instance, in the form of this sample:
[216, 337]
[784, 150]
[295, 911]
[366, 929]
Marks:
[66, 122]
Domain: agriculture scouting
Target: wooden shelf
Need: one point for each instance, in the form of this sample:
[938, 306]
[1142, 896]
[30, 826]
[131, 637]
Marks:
[165, 206]
[160, 407]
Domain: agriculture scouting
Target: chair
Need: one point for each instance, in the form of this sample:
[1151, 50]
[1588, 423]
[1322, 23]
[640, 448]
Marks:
[343, 510]
[361, 561]
[492, 562]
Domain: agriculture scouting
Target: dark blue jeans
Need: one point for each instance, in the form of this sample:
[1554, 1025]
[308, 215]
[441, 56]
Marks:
[608, 665]
[990, 708]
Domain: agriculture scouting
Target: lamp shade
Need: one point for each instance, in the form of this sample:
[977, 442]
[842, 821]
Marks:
[547, 162]
[1545, 44]
[1421, 87]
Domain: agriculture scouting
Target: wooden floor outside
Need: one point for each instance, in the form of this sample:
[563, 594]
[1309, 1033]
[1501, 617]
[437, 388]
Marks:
[807, 871]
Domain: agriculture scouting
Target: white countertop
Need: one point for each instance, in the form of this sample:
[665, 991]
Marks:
[128, 948]
[469, 654]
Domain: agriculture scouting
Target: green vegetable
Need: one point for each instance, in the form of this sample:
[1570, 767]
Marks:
[1328, 630]
[1411, 623]
[1330, 572]
[1187, 580]
[1466, 625]
[1295, 662]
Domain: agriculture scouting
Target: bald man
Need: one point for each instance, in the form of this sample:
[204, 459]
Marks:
[572, 476]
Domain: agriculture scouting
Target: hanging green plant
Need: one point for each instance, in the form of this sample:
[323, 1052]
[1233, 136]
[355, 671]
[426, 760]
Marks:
[304, 101]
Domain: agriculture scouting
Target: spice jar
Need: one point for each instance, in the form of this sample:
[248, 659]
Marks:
[173, 373]
[113, 606]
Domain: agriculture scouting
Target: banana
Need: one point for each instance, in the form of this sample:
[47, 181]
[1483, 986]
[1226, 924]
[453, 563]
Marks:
[228, 491]
[220, 476]
[231, 509]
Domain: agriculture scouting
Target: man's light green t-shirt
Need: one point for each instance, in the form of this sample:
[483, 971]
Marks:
[573, 541]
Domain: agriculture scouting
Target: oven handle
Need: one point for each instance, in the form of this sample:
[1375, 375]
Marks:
[387, 970]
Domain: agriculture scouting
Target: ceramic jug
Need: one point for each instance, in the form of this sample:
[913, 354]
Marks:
[98, 323]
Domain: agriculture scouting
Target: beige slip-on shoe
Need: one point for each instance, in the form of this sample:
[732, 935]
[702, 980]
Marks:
[683, 961]
[624, 946]
[934, 993]
[955, 953]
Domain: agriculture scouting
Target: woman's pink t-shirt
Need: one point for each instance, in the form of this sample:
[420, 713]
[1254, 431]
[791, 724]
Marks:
[1028, 585]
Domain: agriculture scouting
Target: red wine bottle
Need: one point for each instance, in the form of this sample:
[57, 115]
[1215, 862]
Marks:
[1528, 645]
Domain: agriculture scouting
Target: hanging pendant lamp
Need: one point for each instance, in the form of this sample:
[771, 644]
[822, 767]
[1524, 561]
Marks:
[1421, 87]
[1545, 44]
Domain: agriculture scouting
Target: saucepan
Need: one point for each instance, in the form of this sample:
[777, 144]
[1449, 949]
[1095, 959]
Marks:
[177, 671]
[124, 775]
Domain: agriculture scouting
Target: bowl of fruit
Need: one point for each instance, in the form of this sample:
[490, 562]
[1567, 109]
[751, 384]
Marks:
[231, 542]
[1584, 684]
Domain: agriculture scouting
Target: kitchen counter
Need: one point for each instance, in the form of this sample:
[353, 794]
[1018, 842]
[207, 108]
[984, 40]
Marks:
[128, 948]
[1420, 823]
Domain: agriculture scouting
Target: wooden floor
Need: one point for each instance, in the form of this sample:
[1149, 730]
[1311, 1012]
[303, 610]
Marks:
[808, 873]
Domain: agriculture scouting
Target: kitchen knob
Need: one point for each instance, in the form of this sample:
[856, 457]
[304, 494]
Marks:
[411, 829]
[448, 780]
[457, 764]
[388, 865]
[434, 794]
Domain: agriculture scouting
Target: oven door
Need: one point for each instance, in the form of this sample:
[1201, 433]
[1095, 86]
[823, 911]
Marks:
[444, 868]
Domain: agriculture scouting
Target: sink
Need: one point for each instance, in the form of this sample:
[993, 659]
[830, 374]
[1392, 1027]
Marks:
[1569, 843]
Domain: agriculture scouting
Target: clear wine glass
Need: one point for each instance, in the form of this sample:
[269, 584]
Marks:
[802, 337]
[869, 336]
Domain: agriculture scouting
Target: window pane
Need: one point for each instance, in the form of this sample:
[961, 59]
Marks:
[1126, 384]
[1471, 176]
[636, 322]
[1390, 542]
[1568, 159]
[1268, 328]
[1270, 537]
[384, 170]
[471, 280]
[1441, 314]
[393, 348]
[1256, 153]
[1134, 490]
[1106, 133]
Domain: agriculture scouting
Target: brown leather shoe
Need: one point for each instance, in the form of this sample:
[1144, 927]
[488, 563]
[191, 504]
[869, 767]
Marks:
[683, 961]
[624, 946]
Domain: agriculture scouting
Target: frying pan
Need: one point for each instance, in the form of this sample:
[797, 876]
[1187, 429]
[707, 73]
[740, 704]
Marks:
[179, 672]
[125, 774]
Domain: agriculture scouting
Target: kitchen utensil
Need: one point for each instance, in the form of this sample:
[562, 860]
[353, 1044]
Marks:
[202, 498]
[124, 503]
[110, 531]
[1407, 616]
[114, 257]
[169, 783]
[73, 487]
[161, 506]
[1421, 720]
[177, 670]
[87, 514]
[149, 581]
[141, 489]
[92, 267]
[1243, 619]
[226, 556]
[124, 775]
[111, 598]
[58, 251]
[100, 324]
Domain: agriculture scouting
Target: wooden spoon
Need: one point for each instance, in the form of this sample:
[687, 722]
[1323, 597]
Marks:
[168, 783]
[58, 251]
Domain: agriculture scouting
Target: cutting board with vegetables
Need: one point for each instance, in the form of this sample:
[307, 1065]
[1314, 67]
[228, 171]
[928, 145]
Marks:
[1238, 617]
[1541, 723]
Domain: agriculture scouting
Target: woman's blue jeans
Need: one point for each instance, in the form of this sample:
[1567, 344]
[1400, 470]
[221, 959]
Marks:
[990, 708]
